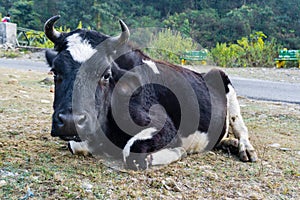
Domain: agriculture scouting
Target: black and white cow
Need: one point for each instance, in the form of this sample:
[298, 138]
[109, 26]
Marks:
[114, 100]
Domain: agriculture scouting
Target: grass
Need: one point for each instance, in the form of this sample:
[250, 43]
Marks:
[9, 53]
[32, 161]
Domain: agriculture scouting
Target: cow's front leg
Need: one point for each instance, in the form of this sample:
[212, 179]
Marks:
[166, 156]
[151, 147]
[135, 151]
[240, 131]
[79, 148]
[162, 157]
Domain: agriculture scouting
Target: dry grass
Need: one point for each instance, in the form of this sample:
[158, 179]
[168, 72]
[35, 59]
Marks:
[32, 161]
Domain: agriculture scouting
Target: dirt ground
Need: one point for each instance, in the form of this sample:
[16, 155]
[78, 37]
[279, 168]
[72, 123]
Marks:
[33, 165]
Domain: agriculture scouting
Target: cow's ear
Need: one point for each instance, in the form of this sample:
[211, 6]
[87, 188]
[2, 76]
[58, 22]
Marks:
[50, 55]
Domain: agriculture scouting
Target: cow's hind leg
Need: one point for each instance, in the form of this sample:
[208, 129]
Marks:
[240, 131]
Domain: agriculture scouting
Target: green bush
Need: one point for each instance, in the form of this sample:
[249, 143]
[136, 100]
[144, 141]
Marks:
[39, 39]
[250, 51]
[168, 45]
[9, 53]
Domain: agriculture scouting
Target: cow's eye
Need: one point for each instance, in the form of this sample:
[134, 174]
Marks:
[106, 76]
[57, 77]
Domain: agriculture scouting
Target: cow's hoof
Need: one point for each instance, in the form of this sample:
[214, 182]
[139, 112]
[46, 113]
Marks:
[231, 143]
[247, 153]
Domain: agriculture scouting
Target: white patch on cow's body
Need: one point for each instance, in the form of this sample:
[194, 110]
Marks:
[79, 147]
[166, 156]
[152, 65]
[195, 143]
[80, 50]
[143, 135]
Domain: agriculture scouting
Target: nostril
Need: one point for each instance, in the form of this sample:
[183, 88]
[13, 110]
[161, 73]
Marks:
[71, 121]
[80, 119]
[62, 118]
[65, 120]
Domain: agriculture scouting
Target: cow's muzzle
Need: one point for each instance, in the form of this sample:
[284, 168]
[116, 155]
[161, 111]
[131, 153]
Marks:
[68, 126]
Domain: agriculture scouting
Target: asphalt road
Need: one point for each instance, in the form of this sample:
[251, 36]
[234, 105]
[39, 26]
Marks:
[267, 90]
[251, 88]
[24, 64]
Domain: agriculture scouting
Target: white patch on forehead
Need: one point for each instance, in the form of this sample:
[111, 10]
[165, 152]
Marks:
[80, 50]
[152, 65]
[143, 135]
[195, 143]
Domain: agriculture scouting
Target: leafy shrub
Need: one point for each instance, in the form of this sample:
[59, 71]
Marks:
[39, 39]
[9, 53]
[250, 51]
[168, 45]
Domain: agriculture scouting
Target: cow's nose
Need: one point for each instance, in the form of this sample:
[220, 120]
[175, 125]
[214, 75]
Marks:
[72, 122]
[69, 120]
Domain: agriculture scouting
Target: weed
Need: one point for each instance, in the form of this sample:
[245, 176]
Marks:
[250, 51]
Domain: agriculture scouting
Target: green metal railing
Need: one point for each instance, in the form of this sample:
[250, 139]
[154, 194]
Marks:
[194, 56]
[287, 55]
[28, 37]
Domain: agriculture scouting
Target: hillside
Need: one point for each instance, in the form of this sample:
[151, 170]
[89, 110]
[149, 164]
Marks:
[206, 21]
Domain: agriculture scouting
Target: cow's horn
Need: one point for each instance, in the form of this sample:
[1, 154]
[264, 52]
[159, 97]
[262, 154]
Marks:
[49, 29]
[124, 36]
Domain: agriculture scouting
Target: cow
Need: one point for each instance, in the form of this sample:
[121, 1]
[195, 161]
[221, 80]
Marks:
[114, 100]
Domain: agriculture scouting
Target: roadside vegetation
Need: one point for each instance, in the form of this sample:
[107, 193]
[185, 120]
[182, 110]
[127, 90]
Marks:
[9, 53]
[251, 51]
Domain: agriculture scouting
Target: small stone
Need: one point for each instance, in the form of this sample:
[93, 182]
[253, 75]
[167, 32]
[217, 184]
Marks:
[47, 81]
[57, 177]
[285, 149]
[45, 101]
[263, 116]
[2, 183]
[255, 196]
[275, 145]
[87, 186]
[13, 81]
[23, 91]
[25, 96]
[52, 88]
[12, 76]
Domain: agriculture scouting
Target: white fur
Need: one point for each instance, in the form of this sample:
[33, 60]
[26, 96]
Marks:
[239, 128]
[167, 156]
[79, 147]
[152, 65]
[235, 118]
[80, 50]
[195, 143]
[143, 135]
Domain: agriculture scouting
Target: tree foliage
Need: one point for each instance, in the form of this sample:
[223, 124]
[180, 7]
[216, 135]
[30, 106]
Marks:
[208, 22]
[168, 45]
